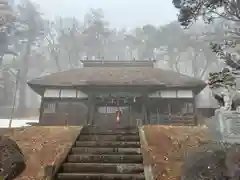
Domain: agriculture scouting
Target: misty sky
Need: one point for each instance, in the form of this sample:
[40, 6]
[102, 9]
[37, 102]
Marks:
[120, 13]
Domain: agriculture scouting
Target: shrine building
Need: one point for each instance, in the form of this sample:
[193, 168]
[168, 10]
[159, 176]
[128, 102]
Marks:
[140, 91]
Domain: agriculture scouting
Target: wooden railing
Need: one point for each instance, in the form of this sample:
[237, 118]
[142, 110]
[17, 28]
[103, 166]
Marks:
[139, 122]
[172, 119]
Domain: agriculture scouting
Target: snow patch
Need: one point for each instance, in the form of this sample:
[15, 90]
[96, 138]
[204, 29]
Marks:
[4, 123]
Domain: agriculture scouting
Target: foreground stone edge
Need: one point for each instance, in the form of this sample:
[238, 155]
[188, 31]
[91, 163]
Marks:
[147, 168]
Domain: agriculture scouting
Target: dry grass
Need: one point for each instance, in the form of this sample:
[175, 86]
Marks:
[41, 146]
[167, 147]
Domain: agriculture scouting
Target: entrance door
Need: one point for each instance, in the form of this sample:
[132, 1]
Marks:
[72, 112]
[63, 112]
[78, 113]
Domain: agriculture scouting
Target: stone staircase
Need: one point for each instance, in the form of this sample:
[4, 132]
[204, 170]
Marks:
[100, 154]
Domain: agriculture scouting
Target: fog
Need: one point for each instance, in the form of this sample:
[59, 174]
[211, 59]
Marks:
[43, 37]
[120, 14]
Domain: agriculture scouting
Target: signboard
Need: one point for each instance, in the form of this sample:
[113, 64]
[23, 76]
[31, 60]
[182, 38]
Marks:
[229, 126]
[232, 125]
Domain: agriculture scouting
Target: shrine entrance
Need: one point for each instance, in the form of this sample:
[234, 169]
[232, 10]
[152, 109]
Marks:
[112, 112]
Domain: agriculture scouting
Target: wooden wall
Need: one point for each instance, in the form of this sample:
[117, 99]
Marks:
[63, 112]
[73, 107]
[158, 111]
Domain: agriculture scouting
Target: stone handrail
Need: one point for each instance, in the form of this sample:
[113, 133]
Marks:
[139, 122]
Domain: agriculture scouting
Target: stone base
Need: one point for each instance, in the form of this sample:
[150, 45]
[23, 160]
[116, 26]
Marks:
[225, 126]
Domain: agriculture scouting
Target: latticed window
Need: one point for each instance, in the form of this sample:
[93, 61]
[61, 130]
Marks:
[187, 108]
[49, 108]
[107, 109]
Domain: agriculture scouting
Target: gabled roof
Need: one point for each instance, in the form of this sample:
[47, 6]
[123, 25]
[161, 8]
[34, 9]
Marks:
[119, 63]
[117, 76]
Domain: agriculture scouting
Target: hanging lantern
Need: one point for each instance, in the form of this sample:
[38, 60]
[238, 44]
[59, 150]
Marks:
[134, 99]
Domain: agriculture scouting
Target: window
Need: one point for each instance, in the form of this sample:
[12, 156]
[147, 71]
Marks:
[187, 108]
[169, 94]
[49, 108]
[184, 94]
[68, 93]
[52, 93]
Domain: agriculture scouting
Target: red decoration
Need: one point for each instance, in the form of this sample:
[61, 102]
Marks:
[118, 114]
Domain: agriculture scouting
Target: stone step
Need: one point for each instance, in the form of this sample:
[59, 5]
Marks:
[114, 128]
[118, 144]
[101, 154]
[90, 158]
[104, 150]
[109, 138]
[98, 130]
[98, 176]
[102, 168]
[108, 132]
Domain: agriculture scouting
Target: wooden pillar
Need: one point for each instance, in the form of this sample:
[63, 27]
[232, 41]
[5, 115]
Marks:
[90, 109]
[144, 110]
[194, 111]
[147, 109]
[41, 110]
[143, 114]
[169, 104]
[130, 114]
[92, 114]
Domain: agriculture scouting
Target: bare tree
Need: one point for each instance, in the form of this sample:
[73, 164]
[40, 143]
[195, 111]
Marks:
[208, 10]
[53, 45]
[33, 28]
